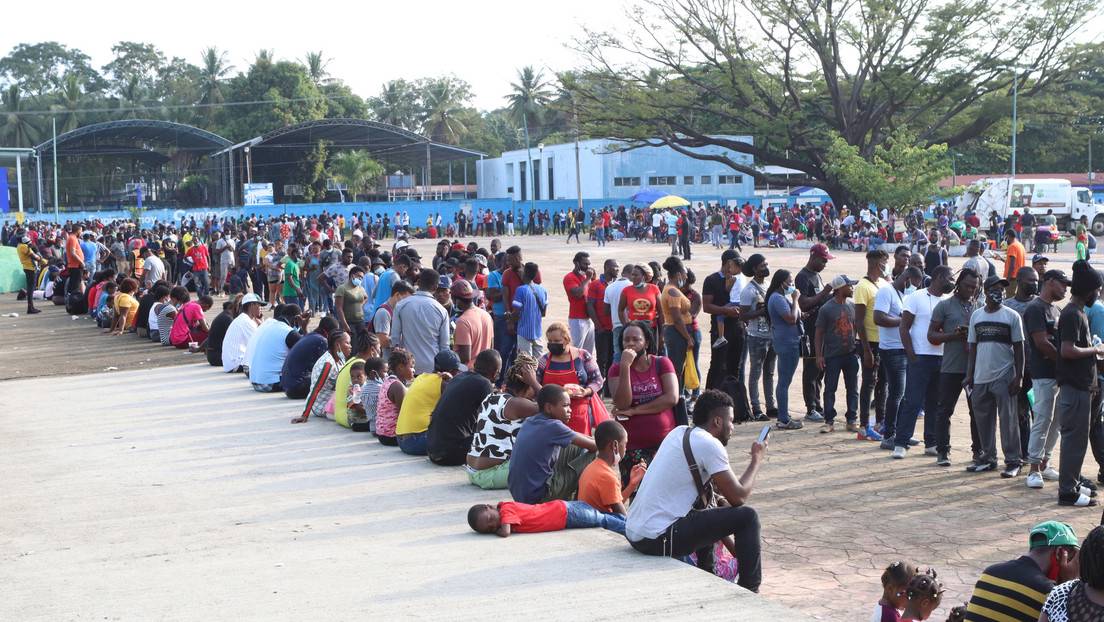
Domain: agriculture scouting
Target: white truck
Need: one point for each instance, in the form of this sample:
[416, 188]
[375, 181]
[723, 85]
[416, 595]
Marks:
[1005, 195]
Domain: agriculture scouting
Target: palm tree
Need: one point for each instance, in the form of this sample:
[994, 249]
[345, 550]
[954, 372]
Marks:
[131, 99]
[17, 129]
[316, 65]
[264, 58]
[69, 102]
[211, 76]
[397, 105]
[357, 170]
[442, 104]
[529, 97]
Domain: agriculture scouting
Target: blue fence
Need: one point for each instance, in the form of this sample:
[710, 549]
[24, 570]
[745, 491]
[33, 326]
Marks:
[419, 210]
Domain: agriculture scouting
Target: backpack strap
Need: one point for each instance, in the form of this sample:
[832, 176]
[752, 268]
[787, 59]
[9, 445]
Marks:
[705, 493]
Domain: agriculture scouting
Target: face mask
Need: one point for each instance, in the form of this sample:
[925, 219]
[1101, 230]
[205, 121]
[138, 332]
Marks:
[910, 289]
[1031, 289]
[995, 296]
[556, 348]
[790, 290]
[357, 282]
[948, 287]
[378, 270]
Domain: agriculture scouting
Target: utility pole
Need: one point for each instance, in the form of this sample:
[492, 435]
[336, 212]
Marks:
[1090, 158]
[1015, 93]
[578, 178]
[529, 163]
[53, 145]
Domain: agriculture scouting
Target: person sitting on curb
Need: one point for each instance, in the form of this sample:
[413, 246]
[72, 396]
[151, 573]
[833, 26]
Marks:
[548, 456]
[556, 515]
[600, 483]
[452, 423]
[498, 422]
[411, 429]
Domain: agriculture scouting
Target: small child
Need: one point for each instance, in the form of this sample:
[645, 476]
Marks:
[738, 284]
[357, 376]
[104, 311]
[925, 593]
[895, 581]
[957, 614]
[401, 365]
[555, 515]
[375, 370]
[600, 482]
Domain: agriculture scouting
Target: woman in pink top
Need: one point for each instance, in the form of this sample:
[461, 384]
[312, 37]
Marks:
[391, 395]
[189, 325]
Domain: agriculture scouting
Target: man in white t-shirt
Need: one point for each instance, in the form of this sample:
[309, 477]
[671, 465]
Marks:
[660, 521]
[889, 302]
[612, 297]
[924, 360]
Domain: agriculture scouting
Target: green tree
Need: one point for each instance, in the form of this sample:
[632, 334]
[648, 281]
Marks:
[312, 172]
[40, 68]
[397, 104]
[357, 170]
[287, 94]
[213, 74]
[529, 98]
[795, 74]
[443, 101]
[898, 176]
[178, 86]
[69, 101]
[133, 63]
[342, 102]
[17, 130]
[316, 64]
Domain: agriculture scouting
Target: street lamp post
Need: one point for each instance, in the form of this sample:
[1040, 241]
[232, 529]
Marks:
[540, 167]
[954, 169]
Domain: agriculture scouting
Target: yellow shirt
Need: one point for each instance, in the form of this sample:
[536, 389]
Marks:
[418, 404]
[865, 292]
[673, 301]
[26, 258]
[125, 303]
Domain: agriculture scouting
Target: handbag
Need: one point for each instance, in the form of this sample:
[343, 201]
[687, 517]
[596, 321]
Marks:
[690, 379]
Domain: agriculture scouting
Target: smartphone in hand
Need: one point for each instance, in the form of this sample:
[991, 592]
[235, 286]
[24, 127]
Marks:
[763, 434]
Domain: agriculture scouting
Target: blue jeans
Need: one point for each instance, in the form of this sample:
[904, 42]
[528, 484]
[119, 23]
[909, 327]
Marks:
[504, 343]
[894, 364]
[677, 348]
[788, 356]
[617, 347]
[921, 391]
[581, 516]
[849, 365]
[294, 300]
[202, 282]
[762, 358]
[413, 444]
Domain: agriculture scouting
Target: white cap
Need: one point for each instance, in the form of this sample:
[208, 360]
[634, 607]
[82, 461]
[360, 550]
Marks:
[248, 298]
[401, 244]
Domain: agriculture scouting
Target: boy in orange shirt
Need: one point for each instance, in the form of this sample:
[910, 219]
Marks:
[600, 482]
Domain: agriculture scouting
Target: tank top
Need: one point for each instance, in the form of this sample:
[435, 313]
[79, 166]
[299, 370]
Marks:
[387, 414]
[494, 433]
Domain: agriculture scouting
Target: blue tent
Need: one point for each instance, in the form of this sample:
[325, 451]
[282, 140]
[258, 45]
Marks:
[649, 196]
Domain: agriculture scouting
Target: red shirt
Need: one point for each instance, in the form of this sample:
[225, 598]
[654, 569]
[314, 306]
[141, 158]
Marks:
[576, 305]
[596, 291]
[511, 280]
[200, 257]
[606, 219]
[525, 518]
[641, 305]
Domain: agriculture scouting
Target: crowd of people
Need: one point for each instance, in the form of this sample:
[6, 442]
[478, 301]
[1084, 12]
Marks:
[452, 357]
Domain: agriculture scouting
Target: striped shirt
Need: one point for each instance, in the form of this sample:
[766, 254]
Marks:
[1012, 591]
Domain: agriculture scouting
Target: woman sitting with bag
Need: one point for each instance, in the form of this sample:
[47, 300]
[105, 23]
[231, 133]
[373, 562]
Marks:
[576, 371]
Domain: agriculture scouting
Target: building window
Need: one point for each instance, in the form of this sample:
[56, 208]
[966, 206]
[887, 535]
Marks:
[688, 180]
[706, 180]
[662, 181]
[523, 183]
[730, 179]
[551, 185]
[626, 181]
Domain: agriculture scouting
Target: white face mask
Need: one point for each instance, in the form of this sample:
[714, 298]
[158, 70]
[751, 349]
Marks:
[910, 289]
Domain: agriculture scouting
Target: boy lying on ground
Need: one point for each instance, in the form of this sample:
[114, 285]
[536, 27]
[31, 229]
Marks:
[551, 516]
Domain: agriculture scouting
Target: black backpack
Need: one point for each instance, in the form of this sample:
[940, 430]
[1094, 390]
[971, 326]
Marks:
[735, 389]
[76, 304]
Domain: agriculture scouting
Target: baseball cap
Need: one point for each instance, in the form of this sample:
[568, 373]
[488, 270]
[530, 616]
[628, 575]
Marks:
[481, 260]
[995, 280]
[1057, 275]
[462, 289]
[444, 282]
[1052, 533]
[412, 253]
[249, 298]
[842, 281]
[447, 360]
[401, 244]
[821, 250]
[1039, 257]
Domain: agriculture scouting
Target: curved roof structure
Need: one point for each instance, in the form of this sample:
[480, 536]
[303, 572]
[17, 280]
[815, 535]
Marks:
[112, 134]
[387, 143]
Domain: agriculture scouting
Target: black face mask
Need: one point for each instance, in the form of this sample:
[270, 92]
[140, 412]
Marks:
[1030, 289]
[556, 349]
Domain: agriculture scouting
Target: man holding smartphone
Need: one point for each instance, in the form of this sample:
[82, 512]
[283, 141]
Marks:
[660, 521]
[949, 326]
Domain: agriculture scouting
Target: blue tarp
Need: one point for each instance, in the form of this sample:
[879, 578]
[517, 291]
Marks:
[649, 196]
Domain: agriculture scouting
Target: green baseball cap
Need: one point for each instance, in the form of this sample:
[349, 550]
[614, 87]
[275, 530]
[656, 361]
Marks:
[1052, 533]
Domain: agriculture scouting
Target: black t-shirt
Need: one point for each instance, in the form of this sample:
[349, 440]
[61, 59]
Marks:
[219, 325]
[144, 306]
[300, 361]
[1073, 326]
[1040, 315]
[809, 284]
[714, 285]
[452, 423]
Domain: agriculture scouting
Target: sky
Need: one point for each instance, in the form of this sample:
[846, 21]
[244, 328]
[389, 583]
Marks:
[369, 43]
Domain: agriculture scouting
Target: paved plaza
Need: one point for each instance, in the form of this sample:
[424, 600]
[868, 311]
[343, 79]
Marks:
[177, 492]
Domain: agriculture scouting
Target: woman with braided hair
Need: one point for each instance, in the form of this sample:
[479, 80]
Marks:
[497, 424]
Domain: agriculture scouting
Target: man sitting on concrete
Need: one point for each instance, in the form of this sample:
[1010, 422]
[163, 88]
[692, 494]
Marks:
[452, 424]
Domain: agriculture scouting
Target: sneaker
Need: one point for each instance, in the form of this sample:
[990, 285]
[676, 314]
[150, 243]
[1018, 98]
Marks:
[899, 452]
[792, 424]
[869, 434]
[1010, 471]
[772, 413]
[32, 311]
[943, 460]
[827, 428]
[887, 444]
[1034, 480]
[1075, 499]
[720, 342]
[1050, 474]
[931, 451]
[981, 467]
[853, 427]
[913, 442]
[814, 417]
[1088, 492]
[757, 417]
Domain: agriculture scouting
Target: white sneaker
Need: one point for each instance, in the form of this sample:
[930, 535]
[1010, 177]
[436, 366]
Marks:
[720, 342]
[1050, 474]
[899, 452]
[1035, 480]
[931, 451]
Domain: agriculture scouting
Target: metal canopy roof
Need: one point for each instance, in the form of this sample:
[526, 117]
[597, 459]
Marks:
[111, 134]
[387, 143]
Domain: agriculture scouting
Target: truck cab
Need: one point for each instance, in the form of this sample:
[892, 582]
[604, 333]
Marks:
[1083, 206]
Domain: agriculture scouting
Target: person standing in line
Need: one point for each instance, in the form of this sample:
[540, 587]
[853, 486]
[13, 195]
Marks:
[575, 284]
[949, 326]
[529, 306]
[599, 313]
[782, 310]
[753, 310]
[30, 261]
[420, 325]
[813, 293]
[1077, 382]
[1016, 258]
[1027, 286]
[724, 320]
[924, 360]
[1041, 328]
[873, 380]
[993, 375]
[612, 299]
[835, 349]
